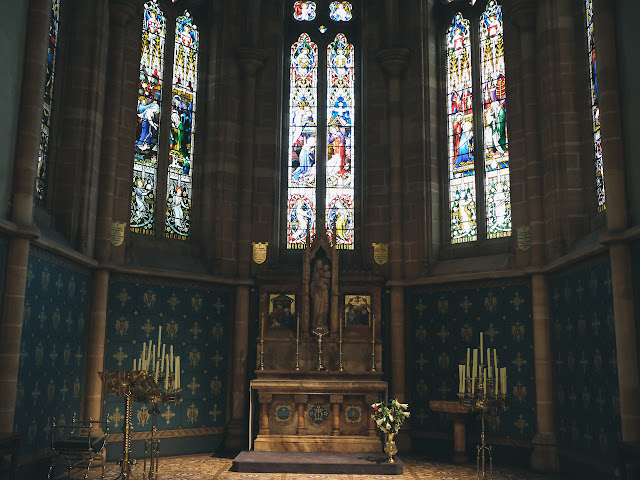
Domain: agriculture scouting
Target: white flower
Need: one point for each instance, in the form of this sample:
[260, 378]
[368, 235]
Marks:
[406, 414]
[391, 417]
[388, 425]
[404, 406]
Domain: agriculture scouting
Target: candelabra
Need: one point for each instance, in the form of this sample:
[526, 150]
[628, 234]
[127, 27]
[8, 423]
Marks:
[169, 395]
[481, 394]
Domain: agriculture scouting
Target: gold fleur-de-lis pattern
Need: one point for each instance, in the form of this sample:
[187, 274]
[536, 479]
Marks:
[585, 378]
[195, 321]
[444, 323]
[52, 348]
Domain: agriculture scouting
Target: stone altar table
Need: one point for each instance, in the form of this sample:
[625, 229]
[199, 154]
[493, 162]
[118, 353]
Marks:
[458, 413]
[317, 411]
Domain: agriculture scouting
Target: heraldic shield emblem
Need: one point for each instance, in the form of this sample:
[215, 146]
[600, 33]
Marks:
[380, 253]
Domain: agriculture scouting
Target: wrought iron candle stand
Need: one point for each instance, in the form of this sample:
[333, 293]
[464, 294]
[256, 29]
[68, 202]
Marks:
[153, 444]
[482, 400]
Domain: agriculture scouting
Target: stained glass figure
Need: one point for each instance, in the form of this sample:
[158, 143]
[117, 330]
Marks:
[322, 28]
[145, 164]
[340, 142]
[496, 149]
[183, 122]
[462, 190]
[304, 11]
[595, 108]
[340, 11]
[303, 130]
[43, 152]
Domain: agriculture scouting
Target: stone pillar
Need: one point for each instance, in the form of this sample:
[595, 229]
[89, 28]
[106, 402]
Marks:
[265, 401]
[394, 61]
[24, 175]
[238, 426]
[335, 401]
[545, 452]
[96, 336]
[616, 201]
[301, 401]
[250, 61]
[121, 13]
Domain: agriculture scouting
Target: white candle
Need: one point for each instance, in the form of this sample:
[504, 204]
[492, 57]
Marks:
[171, 357]
[489, 361]
[475, 363]
[166, 380]
[157, 370]
[134, 364]
[485, 382]
[373, 328]
[179, 373]
[144, 356]
[468, 361]
[159, 337]
[153, 356]
[481, 350]
[262, 328]
[297, 327]
[162, 364]
[340, 327]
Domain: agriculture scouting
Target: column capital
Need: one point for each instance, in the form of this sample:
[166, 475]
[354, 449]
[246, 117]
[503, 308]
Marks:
[522, 12]
[251, 59]
[394, 60]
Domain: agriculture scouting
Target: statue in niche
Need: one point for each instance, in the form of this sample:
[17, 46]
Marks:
[320, 280]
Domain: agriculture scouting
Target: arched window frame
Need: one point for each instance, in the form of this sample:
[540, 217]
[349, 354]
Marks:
[471, 10]
[293, 30]
[163, 197]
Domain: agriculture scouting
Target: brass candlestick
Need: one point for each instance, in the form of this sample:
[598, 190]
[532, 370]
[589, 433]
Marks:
[297, 354]
[373, 355]
[340, 347]
[261, 353]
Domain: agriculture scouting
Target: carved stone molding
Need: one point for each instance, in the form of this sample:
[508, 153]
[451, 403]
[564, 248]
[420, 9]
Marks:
[522, 12]
[250, 59]
[394, 60]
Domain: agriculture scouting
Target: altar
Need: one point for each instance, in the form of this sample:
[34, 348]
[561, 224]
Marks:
[318, 360]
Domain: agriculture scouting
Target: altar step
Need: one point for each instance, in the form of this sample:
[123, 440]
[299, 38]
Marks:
[349, 463]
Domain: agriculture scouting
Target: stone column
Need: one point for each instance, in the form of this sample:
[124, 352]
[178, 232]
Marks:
[265, 402]
[121, 13]
[96, 336]
[616, 201]
[24, 175]
[238, 426]
[250, 61]
[335, 401]
[301, 401]
[545, 452]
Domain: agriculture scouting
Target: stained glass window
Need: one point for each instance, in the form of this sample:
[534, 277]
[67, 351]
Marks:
[303, 131]
[340, 11]
[321, 143]
[462, 190]
[304, 11]
[145, 166]
[43, 152]
[595, 109]
[183, 108]
[468, 172]
[496, 150]
[339, 168]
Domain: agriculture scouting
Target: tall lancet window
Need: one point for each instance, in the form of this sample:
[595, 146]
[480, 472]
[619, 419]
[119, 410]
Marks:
[43, 152]
[595, 108]
[154, 164]
[476, 108]
[321, 160]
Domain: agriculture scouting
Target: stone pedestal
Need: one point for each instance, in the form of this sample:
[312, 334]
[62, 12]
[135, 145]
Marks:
[458, 413]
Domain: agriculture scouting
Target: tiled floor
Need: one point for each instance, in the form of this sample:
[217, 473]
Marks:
[206, 467]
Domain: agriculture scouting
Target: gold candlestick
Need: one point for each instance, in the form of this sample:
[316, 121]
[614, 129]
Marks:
[373, 355]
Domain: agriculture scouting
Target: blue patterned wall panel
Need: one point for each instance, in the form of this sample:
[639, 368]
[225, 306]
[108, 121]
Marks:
[585, 366]
[50, 378]
[195, 321]
[444, 323]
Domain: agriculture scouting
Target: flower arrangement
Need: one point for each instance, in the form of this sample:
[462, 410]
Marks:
[390, 417]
